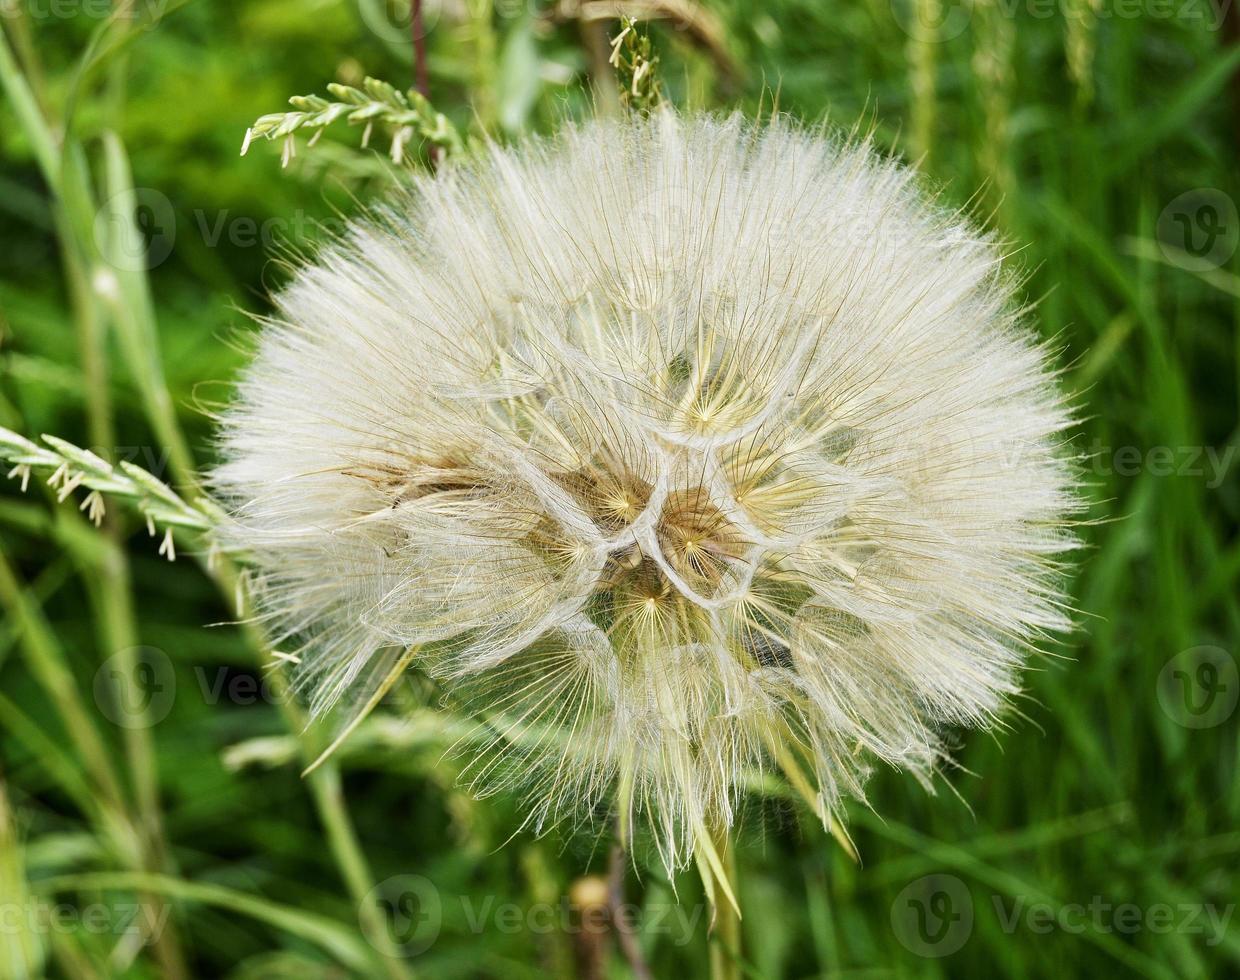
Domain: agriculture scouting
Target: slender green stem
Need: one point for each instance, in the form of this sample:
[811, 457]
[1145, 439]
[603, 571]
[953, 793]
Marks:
[117, 625]
[47, 665]
[23, 952]
[325, 788]
[923, 46]
[725, 946]
[29, 118]
[485, 58]
[133, 312]
[342, 838]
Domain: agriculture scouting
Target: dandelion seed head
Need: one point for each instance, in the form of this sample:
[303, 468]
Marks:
[679, 448]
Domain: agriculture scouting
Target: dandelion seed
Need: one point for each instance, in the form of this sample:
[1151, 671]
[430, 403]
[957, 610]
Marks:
[285, 658]
[677, 448]
[245, 143]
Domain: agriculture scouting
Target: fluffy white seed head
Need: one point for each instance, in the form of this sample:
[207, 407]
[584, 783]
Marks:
[676, 448]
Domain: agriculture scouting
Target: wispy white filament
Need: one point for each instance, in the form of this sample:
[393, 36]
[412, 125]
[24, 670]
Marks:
[678, 448]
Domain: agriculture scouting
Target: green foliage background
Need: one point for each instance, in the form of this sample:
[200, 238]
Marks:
[1072, 127]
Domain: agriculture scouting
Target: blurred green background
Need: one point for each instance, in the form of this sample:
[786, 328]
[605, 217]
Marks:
[1097, 837]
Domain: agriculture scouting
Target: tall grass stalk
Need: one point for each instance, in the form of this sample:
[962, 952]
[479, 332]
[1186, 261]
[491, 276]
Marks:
[125, 292]
[922, 53]
[1080, 41]
[725, 946]
[992, 67]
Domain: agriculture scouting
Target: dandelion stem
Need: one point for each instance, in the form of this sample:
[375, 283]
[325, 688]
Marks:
[725, 946]
[325, 786]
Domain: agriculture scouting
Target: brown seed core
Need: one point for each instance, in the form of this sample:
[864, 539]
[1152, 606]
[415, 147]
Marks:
[697, 538]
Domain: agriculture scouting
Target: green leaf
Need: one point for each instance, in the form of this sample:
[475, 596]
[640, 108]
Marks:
[341, 942]
[519, 78]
